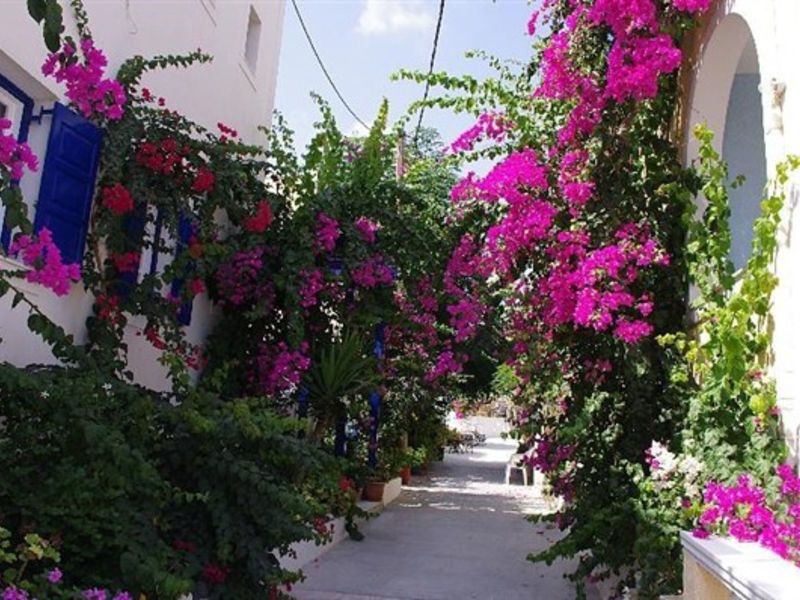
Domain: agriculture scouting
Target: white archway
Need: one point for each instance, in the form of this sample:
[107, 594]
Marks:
[728, 99]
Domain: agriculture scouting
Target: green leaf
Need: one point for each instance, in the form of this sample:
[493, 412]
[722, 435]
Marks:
[18, 297]
[53, 26]
[37, 9]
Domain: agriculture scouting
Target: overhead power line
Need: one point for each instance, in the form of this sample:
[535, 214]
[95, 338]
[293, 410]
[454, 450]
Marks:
[322, 65]
[430, 70]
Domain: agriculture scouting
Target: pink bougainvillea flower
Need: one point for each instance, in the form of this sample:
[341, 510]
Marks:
[14, 593]
[55, 575]
[87, 88]
[43, 256]
[368, 230]
[372, 273]
[694, 6]
[14, 156]
[313, 284]
[328, 232]
[277, 368]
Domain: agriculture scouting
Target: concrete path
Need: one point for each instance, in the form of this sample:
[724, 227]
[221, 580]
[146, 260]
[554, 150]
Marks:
[459, 533]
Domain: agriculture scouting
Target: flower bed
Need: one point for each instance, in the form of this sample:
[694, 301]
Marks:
[749, 512]
[723, 568]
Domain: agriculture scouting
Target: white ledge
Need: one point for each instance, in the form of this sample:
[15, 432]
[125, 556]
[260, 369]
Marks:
[747, 569]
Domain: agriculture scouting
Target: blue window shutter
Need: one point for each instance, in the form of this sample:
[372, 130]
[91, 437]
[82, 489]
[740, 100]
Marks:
[184, 235]
[68, 181]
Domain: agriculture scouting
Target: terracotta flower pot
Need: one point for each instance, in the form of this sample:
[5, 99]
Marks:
[405, 474]
[373, 491]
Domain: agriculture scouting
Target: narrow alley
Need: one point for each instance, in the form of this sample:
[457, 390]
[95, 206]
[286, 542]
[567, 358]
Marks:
[457, 533]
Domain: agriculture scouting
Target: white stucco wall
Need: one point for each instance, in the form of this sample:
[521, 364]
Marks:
[228, 90]
[773, 26]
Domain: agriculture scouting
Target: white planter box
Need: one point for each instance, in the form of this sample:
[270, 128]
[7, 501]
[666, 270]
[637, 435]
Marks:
[724, 569]
[307, 552]
[392, 490]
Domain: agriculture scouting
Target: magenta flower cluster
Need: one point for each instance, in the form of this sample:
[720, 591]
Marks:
[103, 594]
[87, 88]
[368, 230]
[41, 254]
[238, 279]
[313, 282]
[448, 362]
[747, 513]
[328, 232]
[54, 577]
[278, 368]
[372, 273]
[692, 6]
[590, 283]
[490, 126]
[15, 156]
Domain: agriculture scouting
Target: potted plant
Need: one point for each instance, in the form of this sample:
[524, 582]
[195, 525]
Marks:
[388, 468]
[405, 473]
[376, 483]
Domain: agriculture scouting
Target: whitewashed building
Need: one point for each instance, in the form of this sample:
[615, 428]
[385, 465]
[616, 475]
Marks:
[237, 88]
[744, 82]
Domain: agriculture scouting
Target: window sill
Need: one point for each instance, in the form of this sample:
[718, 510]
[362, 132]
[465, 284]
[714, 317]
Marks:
[7, 263]
[12, 264]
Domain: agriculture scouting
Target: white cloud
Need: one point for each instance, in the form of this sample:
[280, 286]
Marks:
[358, 130]
[391, 16]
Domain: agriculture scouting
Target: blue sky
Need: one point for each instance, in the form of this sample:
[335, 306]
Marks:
[363, 42]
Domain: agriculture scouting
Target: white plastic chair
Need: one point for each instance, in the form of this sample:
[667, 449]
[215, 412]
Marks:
[518, 462]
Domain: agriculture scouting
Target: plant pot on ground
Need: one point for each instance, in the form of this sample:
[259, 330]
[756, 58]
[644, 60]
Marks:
[373, 491]
[405, 474]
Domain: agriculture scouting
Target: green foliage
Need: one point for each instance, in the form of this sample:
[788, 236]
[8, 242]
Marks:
[505, 380]
[50, 15]
[123, 476]
[131, 71]
[23, 560]
[732, 424]
[602, 421]
[148, 491]
[342, 369]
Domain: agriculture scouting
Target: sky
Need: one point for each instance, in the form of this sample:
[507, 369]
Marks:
[362, 42]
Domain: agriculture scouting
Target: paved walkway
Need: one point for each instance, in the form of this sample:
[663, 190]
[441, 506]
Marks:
[459, 533]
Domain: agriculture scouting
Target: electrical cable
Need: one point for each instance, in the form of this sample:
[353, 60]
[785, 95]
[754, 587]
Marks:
[430, 70]
[322, 65]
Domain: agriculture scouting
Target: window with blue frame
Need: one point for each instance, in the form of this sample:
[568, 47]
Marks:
[67, 187]
[68, 172]
[17, 107]
[12, 107]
